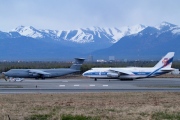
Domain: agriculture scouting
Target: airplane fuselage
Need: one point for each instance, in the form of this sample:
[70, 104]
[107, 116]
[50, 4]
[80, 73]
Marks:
[26, 73]
[133, 73]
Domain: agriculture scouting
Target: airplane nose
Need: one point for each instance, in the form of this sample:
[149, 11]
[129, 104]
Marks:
[3, 73]
[84, 74]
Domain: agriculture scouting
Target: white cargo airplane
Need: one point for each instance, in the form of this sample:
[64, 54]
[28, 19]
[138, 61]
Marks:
[131, 73]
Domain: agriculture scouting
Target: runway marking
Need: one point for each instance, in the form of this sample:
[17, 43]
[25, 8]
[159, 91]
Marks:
[61, 85]
[105, 85]
[76, 85]
[65, 81]
[92, 85]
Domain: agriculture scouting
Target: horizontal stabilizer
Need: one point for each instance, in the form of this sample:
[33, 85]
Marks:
[167, 69]
[77, 63]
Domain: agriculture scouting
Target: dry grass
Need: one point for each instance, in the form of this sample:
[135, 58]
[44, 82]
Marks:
[106, 106]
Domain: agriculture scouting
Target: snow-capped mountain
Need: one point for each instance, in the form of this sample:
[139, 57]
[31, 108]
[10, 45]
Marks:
[166, 26]
[150, 43]
[81, 35]
[29, 31]
[27, 42]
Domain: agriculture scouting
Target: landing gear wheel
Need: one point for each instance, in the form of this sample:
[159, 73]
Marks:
[95, 79]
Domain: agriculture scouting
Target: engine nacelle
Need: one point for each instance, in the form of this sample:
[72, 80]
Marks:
[112, 75]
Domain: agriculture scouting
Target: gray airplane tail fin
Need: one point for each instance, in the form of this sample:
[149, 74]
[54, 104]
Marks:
[77, 63]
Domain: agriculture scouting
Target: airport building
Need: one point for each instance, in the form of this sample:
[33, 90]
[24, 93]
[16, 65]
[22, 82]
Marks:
[90, 58]
[111, 58]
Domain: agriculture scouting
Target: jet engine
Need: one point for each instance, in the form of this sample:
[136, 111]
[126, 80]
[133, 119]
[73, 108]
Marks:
[112, 75]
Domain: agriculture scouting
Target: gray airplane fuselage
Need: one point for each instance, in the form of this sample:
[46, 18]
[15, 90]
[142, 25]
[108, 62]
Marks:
[44, 73]
[24, 73]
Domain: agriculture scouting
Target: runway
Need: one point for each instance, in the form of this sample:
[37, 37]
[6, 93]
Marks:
[89, 85]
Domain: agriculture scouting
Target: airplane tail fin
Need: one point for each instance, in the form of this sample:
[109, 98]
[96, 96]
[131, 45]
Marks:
[77, 63]
[166, 61]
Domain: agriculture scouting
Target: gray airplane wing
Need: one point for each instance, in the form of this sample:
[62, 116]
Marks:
[39, 72]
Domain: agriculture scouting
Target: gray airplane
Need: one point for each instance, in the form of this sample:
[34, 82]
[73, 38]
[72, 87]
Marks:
[44, 73]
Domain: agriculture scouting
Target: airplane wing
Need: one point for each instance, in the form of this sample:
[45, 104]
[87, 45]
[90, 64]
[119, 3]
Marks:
[121, 71]
[39, 72]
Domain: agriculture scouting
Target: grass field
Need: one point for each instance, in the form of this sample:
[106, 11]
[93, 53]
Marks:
[91, 106]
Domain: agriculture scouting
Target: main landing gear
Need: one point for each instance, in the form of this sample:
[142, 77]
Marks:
[42, 77]
[95, 79]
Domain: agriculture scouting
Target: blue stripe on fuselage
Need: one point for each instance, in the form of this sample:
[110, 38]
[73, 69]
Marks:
[147, 73]
[141, 73]
[96, 73]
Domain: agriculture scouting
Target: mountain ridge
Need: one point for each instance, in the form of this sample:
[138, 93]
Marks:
[150, 43]
[27, 42]
[81, 35]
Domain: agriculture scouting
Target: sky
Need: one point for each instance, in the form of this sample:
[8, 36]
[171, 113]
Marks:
[74, 14]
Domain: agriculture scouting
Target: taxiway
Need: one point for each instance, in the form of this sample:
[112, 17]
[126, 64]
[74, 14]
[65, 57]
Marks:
[89, 85]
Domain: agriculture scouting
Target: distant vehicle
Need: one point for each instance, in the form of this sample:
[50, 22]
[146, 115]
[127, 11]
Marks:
[44, 73]
[175, 72]
[16, 79]
[131, 73]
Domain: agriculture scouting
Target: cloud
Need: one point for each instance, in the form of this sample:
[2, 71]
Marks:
[69, 14]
